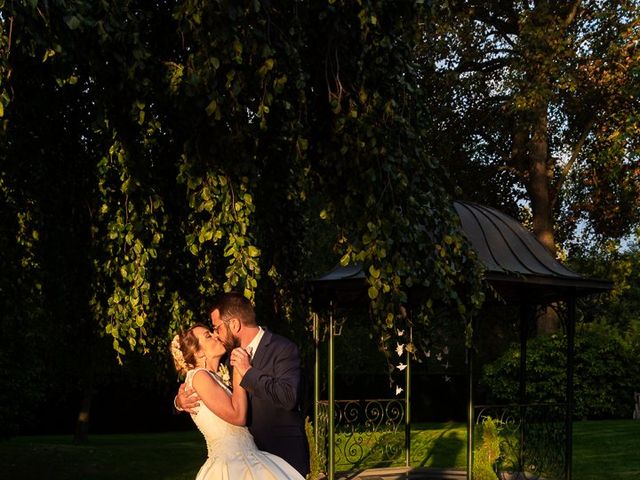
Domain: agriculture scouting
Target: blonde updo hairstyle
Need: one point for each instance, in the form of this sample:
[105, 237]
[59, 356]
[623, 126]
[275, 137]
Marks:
[183, 350]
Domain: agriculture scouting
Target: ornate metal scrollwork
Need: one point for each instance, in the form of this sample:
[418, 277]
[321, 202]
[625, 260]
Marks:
[533, 439]
[366, 431]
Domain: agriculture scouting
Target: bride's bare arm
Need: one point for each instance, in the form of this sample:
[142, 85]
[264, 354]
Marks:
[231, 409]
[186, 400]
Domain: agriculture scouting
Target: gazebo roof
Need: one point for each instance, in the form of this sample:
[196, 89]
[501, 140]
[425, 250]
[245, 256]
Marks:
[516, 264]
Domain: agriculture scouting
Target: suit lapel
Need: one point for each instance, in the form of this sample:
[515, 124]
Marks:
[260, 354]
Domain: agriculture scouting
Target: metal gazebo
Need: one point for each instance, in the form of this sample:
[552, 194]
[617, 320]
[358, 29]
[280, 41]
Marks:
[523, 273]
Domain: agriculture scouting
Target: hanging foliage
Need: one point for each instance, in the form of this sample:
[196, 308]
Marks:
[232, 143]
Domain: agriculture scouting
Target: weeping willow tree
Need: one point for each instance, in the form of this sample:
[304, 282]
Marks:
[159, 154]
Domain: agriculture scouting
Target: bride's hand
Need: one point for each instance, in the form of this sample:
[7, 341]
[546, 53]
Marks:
[187, 399]
[240, 361]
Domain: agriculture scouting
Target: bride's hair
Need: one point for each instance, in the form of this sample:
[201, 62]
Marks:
[183, 349]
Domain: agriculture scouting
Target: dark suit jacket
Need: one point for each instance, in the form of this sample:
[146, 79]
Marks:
[274, 385]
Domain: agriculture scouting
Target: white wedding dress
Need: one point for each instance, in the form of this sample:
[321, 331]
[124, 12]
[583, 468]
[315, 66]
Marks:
[232, 453]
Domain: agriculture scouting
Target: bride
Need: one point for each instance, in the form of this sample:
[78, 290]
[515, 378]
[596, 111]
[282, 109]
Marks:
[232, 453]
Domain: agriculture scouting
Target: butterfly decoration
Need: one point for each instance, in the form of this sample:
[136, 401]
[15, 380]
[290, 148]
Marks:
[401, 366]
[399, 390]
[400, 349]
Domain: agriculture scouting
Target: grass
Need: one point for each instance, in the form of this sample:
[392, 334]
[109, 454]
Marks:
[441, 445]
[606, 450]
[602, 450]
[165, 456]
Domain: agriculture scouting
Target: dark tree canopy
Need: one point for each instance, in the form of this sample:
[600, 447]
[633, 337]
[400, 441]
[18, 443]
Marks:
[154, 155]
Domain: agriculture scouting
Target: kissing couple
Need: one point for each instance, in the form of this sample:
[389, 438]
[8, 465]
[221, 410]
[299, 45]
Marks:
[251, 419]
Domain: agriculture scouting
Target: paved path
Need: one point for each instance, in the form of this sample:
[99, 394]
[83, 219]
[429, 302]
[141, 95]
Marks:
[404, 473]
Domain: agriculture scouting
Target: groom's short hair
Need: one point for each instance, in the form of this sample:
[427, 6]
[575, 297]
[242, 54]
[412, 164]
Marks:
[235, 304]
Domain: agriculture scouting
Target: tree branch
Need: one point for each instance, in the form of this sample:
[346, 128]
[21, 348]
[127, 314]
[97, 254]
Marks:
[574, 156]
[502, 26]
[488, 65]
[572, 14]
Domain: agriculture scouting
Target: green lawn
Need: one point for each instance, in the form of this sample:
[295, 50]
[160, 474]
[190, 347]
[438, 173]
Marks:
[606, 450]
[602, 450]
[165, 456]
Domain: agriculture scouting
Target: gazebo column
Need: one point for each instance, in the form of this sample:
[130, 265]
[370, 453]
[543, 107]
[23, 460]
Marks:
[407, 400]
[470, 406]
[331, 398]
[527, 316]
[526, 312]
[571, 333]
[316, 379]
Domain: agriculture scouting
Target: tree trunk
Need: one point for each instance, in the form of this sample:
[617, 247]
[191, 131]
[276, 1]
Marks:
[82, 425]
[540, 177]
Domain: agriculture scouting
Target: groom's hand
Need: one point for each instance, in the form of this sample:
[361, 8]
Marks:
[187, 400]
[240, 360]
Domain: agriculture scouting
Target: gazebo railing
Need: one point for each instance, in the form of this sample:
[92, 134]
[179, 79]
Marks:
[368, 432]
[532, 439]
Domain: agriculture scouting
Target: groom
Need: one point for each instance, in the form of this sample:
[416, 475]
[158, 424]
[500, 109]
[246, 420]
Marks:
[270, 368]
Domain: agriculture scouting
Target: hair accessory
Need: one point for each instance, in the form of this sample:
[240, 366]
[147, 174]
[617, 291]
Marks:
[178, 357]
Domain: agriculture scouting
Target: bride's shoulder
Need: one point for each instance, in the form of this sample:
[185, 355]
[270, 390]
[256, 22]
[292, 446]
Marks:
[192, 373]
[198, 380]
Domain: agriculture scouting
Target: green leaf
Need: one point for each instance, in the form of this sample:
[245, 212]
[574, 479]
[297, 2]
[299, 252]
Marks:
[72, 22]
[48, 54]
[212, 107]
[374, 272]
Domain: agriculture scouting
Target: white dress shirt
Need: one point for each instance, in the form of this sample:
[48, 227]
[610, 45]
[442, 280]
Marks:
[255, 343]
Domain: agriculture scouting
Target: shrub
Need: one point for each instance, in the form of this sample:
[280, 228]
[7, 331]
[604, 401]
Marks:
[487, 453]
[314, 459]
[605, 372]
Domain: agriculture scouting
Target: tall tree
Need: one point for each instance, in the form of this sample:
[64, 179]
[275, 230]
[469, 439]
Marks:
[542, 95]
